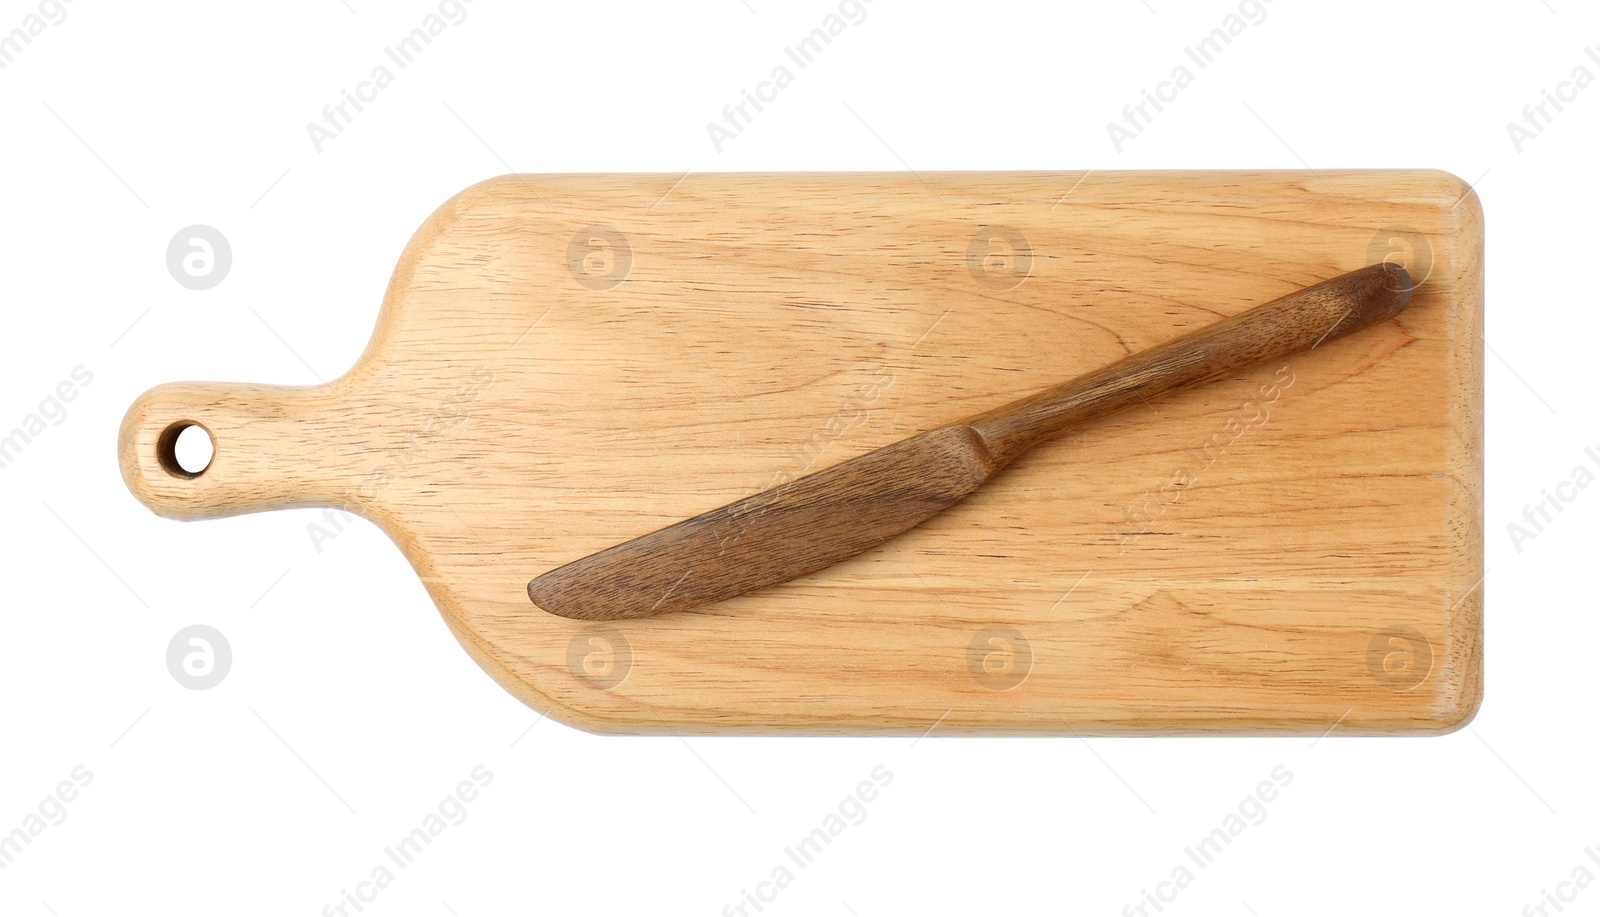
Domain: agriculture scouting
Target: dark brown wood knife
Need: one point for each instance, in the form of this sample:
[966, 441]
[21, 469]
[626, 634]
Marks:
[823, 518]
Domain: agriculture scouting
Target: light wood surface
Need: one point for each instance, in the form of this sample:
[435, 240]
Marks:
[563, 363]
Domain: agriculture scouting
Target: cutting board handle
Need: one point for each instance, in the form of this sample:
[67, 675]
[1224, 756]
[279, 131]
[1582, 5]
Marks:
[275, 447]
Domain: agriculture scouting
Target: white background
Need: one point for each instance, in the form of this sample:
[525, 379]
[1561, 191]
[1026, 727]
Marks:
[350, 712]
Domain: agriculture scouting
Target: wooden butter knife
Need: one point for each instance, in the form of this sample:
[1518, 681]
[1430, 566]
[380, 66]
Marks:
[823, 518]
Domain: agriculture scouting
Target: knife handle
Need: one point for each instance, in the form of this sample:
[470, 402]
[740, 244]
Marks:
[1299, 321]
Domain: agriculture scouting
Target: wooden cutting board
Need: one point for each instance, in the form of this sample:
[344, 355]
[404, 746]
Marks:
[565, 362]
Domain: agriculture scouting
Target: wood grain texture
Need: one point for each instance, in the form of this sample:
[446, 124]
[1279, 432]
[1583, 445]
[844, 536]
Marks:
[566, 362]
[803, 526]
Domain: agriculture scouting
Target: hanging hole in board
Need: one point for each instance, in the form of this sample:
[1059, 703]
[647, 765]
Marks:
[185, 449]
